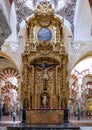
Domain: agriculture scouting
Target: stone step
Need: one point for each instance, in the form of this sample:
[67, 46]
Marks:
[66, 126]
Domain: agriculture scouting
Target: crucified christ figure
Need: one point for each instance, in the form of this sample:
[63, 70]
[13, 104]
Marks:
[45, 67]
[46, 77]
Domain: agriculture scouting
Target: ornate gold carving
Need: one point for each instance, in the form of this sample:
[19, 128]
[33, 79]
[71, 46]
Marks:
[45, 116]
[38, 78]
[36, 22]
[44, 13]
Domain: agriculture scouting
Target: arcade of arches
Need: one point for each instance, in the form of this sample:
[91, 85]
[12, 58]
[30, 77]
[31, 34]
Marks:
[46, 58]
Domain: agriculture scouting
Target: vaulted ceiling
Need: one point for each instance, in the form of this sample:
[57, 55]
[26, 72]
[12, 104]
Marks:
[25, 8]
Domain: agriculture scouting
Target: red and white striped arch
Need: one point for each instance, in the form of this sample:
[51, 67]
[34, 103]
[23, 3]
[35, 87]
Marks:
[76, 75]
[5, 89]
[87, 86]
[74, 87]
[4, 75]
[9, 72]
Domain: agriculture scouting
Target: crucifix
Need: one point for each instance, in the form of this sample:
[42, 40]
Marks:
[45, 67]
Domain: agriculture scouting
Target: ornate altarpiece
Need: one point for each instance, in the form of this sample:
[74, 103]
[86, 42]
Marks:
[45, 68]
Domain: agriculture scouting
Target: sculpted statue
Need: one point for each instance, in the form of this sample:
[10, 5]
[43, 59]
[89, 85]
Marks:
[44, 100]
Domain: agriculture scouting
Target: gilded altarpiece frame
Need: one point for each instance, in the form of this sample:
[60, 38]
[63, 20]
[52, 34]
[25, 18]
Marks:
[38, 57]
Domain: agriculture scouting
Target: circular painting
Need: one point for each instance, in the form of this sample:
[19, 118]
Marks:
[44, 34]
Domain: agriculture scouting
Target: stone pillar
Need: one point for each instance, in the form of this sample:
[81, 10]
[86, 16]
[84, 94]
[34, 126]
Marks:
[20, 112]
[79, 96]
[23, 116]
[66, 116]
[1, 114]
[1, 104]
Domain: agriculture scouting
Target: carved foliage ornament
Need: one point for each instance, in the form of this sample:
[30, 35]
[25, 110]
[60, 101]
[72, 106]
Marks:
[44, 13]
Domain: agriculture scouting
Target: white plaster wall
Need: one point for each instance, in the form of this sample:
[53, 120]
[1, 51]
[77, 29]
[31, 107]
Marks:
[16, 56]
[12, 40]
[82, 21]
[76, 54]
[82, 42]
[13, 24]
[11, 45]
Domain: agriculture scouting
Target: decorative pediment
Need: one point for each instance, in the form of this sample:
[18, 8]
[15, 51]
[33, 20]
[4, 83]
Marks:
[44, 13]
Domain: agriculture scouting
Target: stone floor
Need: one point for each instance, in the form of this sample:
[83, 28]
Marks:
[85, 124]
[4, 127]
[85, 128]
[81, 128]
